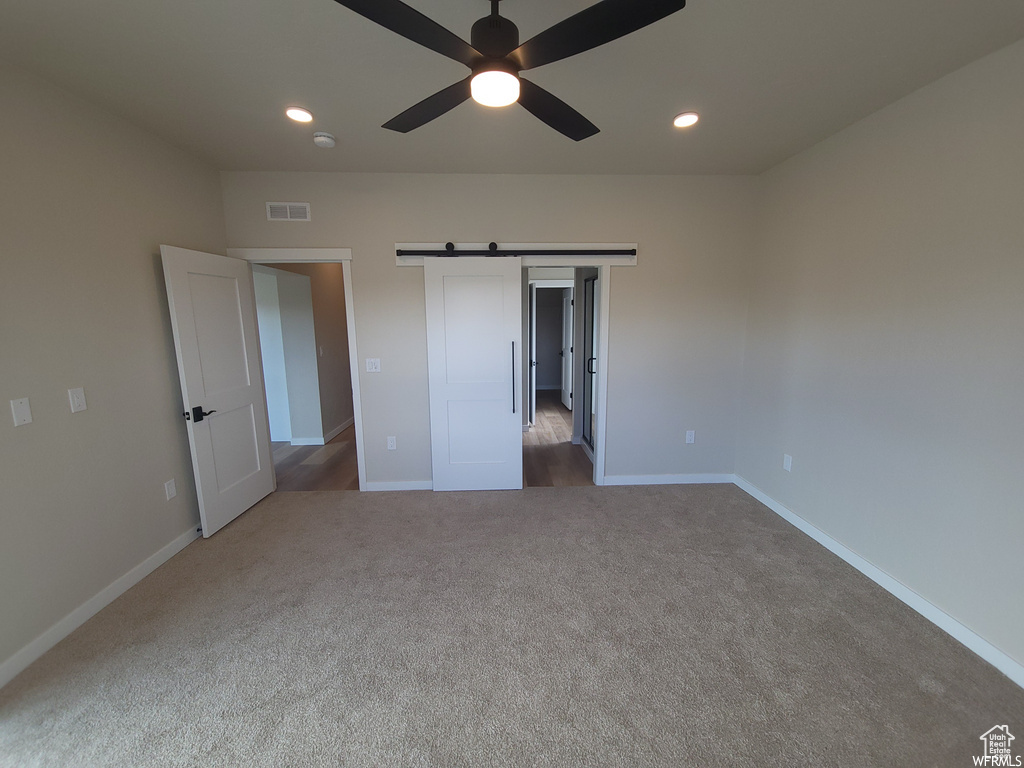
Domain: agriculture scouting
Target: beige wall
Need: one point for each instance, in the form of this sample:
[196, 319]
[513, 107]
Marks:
[331, 329]
[677, 319]
[886, 343]
[85, 202]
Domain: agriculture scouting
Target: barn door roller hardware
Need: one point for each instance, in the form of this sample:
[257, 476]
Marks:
[492, 250]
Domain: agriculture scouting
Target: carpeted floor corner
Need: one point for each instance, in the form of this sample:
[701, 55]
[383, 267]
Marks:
[646, 626]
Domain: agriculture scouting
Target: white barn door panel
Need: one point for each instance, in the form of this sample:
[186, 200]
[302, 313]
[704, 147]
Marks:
[474, 358]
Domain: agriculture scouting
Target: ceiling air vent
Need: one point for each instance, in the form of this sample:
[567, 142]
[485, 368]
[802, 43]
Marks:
[288, 211]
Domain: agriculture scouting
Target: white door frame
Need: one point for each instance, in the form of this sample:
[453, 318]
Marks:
[312, 256]
[604, 265]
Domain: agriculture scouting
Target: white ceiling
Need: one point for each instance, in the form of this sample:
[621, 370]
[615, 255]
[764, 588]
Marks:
[769, 79]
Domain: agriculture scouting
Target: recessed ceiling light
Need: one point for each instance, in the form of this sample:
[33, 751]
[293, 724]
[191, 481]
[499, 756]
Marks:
[686, 119]
[299, 115]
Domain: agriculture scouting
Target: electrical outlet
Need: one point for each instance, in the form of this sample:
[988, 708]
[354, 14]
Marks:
[392, 443]
[690, 436]
[373, 365]
[169, 490]
[787, 462]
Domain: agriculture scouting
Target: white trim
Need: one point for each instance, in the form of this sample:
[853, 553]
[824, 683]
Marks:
[339, 429]
[400, 485]
[589, 452]
[353, 364]
[20, 661]
[604, 277]
[968, 637]
[285, 255]
[531, 261]
[307, 441]
[668, 479]
[543, 283]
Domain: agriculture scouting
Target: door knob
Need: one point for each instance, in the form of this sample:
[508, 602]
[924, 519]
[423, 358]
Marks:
[197, 415]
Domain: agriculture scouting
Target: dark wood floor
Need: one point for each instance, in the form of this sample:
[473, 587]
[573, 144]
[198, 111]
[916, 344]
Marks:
[549, 457]
[330, 467]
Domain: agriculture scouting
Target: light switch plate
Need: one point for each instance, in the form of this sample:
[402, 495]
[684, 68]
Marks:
[373, 365]
[787, 462]
[169, 490]
[690, 436]
[21, 412]
[77, 398]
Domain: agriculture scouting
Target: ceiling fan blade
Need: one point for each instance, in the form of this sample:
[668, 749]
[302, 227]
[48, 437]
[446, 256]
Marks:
[410, 23]
[431, 107]
[555, 112]
[599, 24]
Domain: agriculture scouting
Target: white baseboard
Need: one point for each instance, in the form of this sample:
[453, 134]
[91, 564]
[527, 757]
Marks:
[667, 479]
[402, 485]
[1001, 661]
[20, 661]
[338, 430]
[307, 441]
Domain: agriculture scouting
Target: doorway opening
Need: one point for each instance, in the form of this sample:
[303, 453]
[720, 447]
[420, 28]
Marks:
[558, 441]
[304, 343]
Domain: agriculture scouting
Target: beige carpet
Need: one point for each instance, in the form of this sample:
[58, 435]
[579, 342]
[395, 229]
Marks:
[662, 626]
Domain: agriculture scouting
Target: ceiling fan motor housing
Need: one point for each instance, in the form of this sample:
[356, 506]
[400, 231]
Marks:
[495, 36]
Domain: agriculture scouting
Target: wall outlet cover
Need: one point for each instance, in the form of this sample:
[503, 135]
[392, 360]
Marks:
[170, 490]
[21, 411]
[690, 436]
[392, 443]
[787, 462]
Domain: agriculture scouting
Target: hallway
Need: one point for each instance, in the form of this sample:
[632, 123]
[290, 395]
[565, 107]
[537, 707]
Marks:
[330, 467]
[549, 457]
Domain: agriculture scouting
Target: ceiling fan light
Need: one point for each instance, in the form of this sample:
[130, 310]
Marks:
[495, 88]
[685, 120]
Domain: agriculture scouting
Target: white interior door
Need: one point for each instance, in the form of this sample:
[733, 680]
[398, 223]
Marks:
[213, 319]
[474, 358]
[567, 327]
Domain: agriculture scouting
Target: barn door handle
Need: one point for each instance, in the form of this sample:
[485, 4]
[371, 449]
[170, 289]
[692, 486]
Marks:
[513, 377]
[590, 365]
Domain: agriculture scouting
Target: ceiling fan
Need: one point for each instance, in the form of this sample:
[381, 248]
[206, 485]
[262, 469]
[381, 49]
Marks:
[496, 58]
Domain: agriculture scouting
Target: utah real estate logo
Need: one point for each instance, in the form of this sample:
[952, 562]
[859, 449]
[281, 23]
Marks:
[998, 749]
